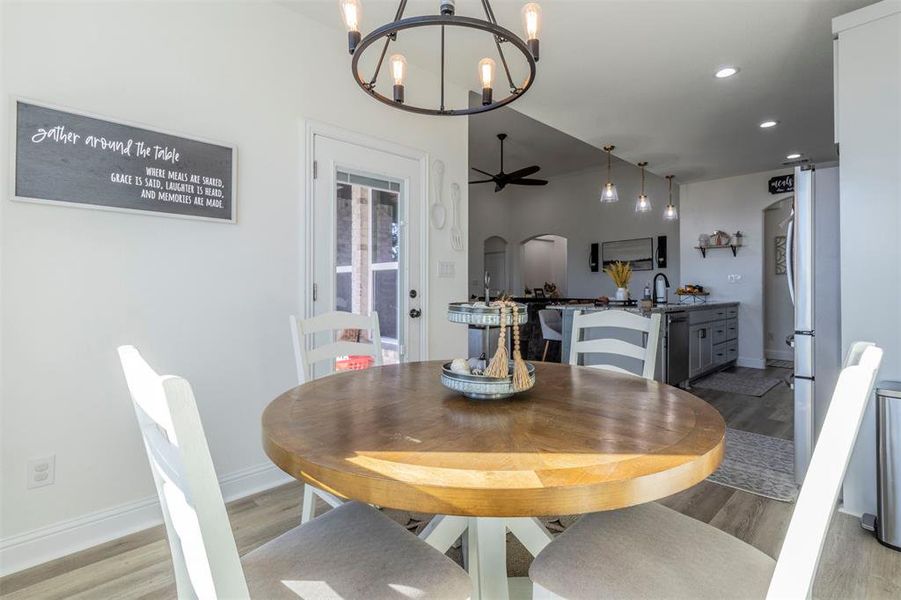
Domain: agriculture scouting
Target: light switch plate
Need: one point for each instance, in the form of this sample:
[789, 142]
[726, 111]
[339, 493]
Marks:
[447, 269]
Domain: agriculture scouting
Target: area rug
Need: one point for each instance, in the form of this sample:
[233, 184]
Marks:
[781, 364]
[744, 382]
[758, 464]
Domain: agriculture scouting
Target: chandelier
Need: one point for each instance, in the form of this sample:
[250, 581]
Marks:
[351, 11]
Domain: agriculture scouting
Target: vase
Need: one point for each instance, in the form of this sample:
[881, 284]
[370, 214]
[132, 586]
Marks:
[622, 294]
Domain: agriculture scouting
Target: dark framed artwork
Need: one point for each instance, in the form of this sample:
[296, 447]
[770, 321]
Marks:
[639, 253]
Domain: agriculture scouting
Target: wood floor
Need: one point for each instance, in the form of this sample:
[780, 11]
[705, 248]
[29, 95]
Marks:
[853, 565]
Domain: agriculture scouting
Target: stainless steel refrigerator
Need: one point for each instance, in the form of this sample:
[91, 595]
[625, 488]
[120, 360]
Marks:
[813, 270]
[800, 273]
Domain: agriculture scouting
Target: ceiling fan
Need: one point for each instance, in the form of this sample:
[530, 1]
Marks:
[519, 177]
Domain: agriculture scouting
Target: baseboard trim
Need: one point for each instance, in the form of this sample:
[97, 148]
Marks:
[780, 355]
[35, 547]
[752, 363]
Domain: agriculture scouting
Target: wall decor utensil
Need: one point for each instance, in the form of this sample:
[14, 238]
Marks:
[456, 232]
[438, 212]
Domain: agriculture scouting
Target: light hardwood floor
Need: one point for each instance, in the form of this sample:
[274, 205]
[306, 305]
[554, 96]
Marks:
[853, 566]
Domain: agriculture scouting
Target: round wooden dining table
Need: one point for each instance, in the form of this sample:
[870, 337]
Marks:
[581, 440]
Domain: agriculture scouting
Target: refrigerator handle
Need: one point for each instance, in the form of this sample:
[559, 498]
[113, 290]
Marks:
[790, 257]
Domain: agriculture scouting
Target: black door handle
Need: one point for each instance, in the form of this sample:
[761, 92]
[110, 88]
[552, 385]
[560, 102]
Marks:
[415, 313]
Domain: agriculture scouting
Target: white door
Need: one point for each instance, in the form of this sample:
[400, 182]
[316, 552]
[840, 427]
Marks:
[366, 244]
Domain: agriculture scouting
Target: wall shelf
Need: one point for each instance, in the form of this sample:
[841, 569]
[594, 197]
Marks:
[704, 249]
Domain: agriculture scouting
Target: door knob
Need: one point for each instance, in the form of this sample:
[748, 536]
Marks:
[415, 313]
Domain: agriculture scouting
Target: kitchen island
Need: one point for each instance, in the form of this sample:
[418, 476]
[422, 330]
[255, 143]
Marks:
[696, 339]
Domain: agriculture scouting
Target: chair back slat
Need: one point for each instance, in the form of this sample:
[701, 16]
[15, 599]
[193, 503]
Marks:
[204, 554]
[797, 564]
[305, 358]
[618, 319]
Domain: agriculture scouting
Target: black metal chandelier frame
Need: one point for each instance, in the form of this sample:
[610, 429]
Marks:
[389, 32]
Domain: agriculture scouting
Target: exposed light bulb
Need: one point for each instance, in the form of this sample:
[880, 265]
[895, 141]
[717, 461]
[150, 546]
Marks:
[351, 13]
[398, 73]
[531, 23]
[531, 19]
[398, 68]
[487, 68]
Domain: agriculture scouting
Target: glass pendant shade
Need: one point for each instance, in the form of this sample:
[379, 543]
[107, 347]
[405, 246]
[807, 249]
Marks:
[609, 193]
[670, 213]
[643, 204]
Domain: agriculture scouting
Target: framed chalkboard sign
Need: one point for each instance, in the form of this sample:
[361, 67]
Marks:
[782, 184]
[76, 159]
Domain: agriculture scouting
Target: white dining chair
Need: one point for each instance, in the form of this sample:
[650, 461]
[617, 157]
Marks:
[551, 328]
[651, 551]
[305, 361]
[616, 319]
[353, 551]
[331, 323]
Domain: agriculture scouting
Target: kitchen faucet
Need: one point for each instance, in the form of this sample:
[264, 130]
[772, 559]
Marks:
[657, 297]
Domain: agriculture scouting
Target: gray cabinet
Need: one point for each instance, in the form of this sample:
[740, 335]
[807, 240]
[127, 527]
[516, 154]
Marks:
[712, 339]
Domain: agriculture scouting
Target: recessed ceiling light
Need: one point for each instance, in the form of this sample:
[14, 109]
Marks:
[793, 156]
[726, 72]
[768, 124]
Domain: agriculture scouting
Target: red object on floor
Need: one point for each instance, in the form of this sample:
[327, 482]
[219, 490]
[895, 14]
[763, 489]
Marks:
[354, 363]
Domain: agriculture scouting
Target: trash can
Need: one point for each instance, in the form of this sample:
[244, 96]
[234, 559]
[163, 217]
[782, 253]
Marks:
[887, 522]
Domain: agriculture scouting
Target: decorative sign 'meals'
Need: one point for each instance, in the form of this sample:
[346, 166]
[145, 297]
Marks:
[782, 184]
[63, 157]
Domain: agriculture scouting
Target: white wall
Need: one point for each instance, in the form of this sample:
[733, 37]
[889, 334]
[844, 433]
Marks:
[207, 301]
[544, 261]
[779, 312]
[568, 206]
[731, 204]
[869, 134]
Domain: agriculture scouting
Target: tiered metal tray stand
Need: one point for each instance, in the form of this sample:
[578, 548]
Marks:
[479, 387]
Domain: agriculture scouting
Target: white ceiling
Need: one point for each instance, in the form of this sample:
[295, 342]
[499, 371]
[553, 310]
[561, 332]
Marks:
[639, 74]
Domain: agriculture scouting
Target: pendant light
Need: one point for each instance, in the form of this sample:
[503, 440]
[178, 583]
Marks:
[609, 193]
[670, 213]
[643, 204]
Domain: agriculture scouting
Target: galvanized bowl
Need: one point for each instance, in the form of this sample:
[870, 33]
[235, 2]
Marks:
[464, 312]
[479, 387]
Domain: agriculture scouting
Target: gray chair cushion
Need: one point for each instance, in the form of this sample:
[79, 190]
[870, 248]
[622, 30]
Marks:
[650, 551]
[352, 551]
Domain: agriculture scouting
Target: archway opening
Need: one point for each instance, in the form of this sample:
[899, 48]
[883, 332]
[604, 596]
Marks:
[544, 264]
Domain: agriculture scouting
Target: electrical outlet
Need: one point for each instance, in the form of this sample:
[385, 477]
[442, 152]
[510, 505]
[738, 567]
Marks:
[41, 471]
[734, 278]
[447, 269]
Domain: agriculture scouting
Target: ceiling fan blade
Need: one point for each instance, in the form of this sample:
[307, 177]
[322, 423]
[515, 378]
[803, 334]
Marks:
[524, 172]
[529, 182]
[481, 181]
[486, 173]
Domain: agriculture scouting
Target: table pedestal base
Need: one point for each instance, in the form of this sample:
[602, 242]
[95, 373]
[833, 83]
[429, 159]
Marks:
[485, 549]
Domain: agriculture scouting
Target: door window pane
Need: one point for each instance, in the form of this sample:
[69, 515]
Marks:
[367, 257]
